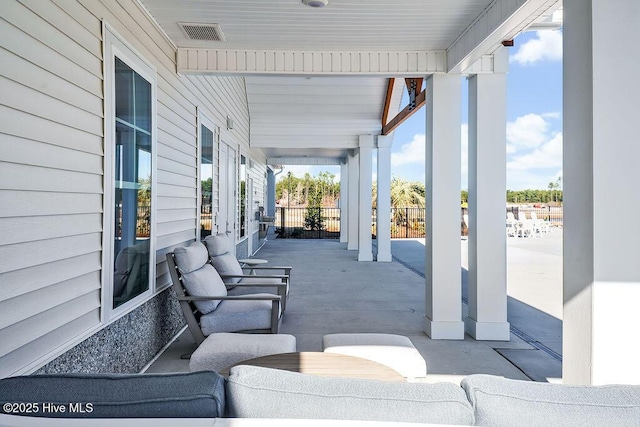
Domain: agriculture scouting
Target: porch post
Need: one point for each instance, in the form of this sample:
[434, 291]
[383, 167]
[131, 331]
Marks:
[383, 201]
[344, 201]
[601, 176]
[487, 292]
[365, 251]
[442, 174]
[352, 227]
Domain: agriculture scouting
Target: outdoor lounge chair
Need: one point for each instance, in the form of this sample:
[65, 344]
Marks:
[205, 303]
[222, 253]
[539, 225]
[512, 225]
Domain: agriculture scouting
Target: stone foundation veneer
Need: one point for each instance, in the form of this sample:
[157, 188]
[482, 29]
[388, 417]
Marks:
[128, 344]
[242, 248]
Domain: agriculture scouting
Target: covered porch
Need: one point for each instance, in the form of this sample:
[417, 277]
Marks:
[334, 293]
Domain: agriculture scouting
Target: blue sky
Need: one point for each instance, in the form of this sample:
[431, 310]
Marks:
[534, 120]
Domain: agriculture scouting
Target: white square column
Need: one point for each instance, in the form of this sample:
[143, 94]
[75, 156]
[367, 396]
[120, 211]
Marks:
[344, 202]
[487, 291]
[365, 245]
[442, 267]
[352, 210]
[601, 196]
[383, 201]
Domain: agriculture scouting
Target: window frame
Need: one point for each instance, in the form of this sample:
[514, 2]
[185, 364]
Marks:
[115, 46]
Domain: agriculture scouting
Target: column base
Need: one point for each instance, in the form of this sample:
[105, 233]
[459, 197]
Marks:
[487, 331]
[384, 257]
[352, 246]
[365, 256]
[444, 330]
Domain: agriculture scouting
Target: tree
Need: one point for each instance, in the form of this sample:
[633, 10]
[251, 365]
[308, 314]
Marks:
[313, 219]
[406, 194]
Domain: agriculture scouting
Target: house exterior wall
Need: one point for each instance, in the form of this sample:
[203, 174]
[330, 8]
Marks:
[52, 185]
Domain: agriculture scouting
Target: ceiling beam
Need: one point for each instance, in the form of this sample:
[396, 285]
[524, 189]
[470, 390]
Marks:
[502, 20]
[403, 115]
[387, 101]
[306, 63]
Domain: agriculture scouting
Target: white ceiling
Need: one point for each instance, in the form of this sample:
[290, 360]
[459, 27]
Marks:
[321, 116]
[343, 25]
[295, 116]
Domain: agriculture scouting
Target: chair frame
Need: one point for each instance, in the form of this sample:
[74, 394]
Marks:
[282, 288]
[192, 314]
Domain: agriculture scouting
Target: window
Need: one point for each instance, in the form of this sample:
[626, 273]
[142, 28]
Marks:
[206, 177]
[129, 252]
[243, 196]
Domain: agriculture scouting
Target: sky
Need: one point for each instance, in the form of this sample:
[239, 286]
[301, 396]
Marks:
[534, 121]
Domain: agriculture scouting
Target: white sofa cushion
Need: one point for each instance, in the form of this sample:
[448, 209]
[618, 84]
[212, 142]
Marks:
[256, 392]
[499, 401]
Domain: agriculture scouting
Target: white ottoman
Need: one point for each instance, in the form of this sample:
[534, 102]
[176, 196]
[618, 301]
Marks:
[221, 350]
[394, 351]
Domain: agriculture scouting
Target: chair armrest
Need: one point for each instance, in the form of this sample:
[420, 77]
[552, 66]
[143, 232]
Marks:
[287, 269]
[255, 276]
[261, 285]
[251, 297]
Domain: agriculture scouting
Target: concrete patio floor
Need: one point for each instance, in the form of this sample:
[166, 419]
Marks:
[332, 292]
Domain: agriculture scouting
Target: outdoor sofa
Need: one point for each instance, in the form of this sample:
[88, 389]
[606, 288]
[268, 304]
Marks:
[274, 396]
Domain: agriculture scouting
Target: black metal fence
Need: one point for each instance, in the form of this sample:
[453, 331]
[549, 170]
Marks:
[324, 223]
[308, 223]
[405, 223]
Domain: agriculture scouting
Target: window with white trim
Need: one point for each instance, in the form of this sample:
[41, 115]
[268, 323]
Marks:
[129, 252]
[206, 138]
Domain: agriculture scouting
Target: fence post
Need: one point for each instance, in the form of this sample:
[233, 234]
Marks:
[282, 222]
[406, 223]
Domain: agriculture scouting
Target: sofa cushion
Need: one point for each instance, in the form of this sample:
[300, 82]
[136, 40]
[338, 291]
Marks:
[255, 392]
[205, 282]
[191, 258]
[499, 401]
[190, 395]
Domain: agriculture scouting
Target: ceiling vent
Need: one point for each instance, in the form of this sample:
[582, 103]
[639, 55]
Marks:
[210, 32]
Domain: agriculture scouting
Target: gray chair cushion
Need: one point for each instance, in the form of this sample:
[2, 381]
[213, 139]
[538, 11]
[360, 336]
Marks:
[190, 258]
[503, 402]
[190, 395]
[222, 350]
[205, 282]
[218, 244]
[222, 257]
[238, 315]
[254, 392]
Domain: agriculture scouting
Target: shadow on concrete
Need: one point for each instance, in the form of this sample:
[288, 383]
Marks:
[540, 330]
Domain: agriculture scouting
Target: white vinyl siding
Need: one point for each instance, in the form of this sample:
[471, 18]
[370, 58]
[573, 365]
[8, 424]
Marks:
[51, 165]
[50, 184]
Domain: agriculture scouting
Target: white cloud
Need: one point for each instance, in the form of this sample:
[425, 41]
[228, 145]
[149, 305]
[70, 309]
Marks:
[549, 155]
[528, 131]
[411, 152]
[546, 46]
